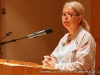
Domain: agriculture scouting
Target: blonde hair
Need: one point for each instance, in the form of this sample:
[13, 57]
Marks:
[79, 9]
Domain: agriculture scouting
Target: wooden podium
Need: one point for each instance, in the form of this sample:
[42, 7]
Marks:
[12, 67]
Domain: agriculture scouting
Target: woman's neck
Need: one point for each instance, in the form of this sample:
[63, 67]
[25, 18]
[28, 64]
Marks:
[73, 32]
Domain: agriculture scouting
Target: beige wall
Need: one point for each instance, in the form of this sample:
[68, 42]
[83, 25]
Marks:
[24, 17]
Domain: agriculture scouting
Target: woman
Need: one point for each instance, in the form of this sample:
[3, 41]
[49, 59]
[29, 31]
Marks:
[76, 49]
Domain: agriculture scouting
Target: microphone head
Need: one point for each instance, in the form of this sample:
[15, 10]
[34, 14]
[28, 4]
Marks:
[10, 33]
[40, 33]
[49, 30]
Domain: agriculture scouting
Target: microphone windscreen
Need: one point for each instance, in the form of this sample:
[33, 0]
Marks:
[10, 33]
[49, 30]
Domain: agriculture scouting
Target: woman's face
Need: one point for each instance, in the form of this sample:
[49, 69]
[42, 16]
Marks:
[69, 18]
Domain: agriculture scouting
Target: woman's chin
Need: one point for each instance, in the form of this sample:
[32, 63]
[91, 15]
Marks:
[66, 25]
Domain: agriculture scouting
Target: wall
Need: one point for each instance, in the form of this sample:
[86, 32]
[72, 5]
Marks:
[96, 30]
[0, 30]
[24, 17]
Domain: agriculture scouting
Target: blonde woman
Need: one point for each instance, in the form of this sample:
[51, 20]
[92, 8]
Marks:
[76, 49]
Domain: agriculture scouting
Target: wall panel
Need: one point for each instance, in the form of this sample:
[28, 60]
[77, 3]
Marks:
[95, 29]
[0, 28]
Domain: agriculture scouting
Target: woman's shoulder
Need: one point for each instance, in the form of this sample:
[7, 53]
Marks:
[64, 37]
[82, 32]
[85, 35]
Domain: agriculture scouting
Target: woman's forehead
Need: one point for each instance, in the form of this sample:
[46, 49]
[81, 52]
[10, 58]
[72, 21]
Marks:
[68, 9]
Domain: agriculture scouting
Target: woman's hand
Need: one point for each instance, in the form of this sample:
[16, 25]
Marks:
[49, 62]
[46, 60]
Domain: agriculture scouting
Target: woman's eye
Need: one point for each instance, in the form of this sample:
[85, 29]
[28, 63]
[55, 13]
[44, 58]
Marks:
[64, 14]
[70, 15]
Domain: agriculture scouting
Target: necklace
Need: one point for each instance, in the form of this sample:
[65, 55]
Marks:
[69, 38]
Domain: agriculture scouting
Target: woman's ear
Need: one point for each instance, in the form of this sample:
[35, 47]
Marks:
[80, 18]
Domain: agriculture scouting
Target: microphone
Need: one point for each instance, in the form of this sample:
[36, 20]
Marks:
[10, 33]
[40, 33]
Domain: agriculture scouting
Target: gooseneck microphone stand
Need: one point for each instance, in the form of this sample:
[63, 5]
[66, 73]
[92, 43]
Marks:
[8, 34]
[34, 35]
[13, 40]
